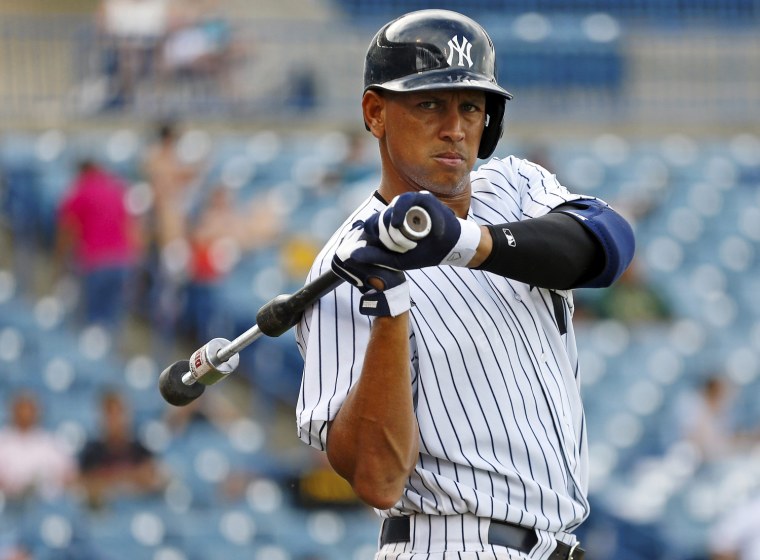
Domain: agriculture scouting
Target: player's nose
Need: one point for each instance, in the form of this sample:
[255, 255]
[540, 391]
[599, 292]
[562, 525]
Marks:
[452, 124]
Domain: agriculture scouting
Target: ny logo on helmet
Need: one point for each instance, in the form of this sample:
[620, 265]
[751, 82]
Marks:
[463, 50]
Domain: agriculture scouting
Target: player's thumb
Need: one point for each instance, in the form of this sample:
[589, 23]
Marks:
[400, 205]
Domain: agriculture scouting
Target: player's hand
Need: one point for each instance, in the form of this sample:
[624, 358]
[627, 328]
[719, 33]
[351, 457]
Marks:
[385, 291]
[451, 240]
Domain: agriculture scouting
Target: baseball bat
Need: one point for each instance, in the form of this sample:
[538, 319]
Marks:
[185, 380]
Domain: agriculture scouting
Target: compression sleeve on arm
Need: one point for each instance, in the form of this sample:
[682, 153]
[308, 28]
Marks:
[554, 251]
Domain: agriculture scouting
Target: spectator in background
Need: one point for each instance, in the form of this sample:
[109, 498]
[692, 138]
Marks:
[14, 551]
[33, 462]
[214, 250]
[132, 32]
[115, 464]
[173, 181]
[95, 226]
[223, 229]
[630, 300]
[297, 253]
[736, 535]
[706, 419]
[200, 46]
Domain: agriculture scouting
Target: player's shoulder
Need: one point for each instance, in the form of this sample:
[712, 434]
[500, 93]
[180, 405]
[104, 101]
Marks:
[508, 171]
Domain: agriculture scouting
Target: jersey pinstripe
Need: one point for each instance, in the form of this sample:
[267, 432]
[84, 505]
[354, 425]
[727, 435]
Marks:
[494, 373]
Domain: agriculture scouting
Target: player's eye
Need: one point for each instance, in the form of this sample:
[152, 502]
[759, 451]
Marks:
[428, 104]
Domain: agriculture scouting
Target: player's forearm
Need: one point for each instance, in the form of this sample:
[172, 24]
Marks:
[583, 243]
[374, 440]
[553, 251]
[484, 248]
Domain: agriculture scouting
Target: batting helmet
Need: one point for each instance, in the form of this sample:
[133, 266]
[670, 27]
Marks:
[438, 49]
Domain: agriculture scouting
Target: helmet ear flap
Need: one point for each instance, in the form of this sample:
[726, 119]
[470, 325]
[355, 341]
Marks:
[494, 126]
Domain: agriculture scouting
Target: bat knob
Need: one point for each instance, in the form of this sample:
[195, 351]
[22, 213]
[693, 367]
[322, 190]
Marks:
[173, 389]
[417, 223]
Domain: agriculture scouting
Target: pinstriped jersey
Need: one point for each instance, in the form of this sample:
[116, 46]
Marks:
[494, 366]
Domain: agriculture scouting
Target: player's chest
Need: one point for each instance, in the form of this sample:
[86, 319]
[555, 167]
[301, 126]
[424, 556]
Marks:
[457, 309]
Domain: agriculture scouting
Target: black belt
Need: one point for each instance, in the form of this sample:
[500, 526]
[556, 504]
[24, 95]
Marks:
[396, 529]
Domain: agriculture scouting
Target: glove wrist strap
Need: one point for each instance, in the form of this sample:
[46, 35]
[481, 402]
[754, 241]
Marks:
[466, 245]
[393, 301]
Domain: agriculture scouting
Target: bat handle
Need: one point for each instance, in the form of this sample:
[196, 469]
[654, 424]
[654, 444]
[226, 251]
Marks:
[227, 351]
[239, 343]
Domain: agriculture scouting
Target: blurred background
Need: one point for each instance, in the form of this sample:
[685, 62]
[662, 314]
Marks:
[168, 166]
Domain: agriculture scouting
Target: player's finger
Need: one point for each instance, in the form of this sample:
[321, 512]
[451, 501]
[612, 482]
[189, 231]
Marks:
[376, 256]
[341, 270]
[399, 207]
[349, 244]
[395, 240]
[375, 227]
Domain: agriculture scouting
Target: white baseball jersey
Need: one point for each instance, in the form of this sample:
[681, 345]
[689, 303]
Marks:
[494, 373]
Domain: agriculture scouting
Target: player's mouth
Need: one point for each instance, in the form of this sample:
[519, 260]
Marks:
[451, 159]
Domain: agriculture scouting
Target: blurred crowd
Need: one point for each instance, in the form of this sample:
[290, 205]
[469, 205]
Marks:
[144, 55]
[146, 251]
[162, 259]
[167, 41]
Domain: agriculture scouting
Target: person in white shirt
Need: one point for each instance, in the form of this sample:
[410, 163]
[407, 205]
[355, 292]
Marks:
[34, 462]
[736, 536]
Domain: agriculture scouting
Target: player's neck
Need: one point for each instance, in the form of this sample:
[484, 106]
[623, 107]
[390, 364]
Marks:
[459, 202]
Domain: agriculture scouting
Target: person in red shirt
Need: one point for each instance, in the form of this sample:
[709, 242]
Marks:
[97, 230]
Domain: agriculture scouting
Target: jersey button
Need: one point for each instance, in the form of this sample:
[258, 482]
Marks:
[517, 297]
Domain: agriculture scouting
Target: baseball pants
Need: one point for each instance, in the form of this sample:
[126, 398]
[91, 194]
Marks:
[458, 537]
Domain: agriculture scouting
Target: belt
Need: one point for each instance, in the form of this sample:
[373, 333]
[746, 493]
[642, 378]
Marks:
[508, 535]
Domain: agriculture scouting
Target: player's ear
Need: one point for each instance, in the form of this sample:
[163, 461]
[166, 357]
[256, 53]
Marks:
[373, 108]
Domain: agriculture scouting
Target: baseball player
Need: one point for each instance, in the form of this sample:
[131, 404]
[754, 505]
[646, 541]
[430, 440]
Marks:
[442, 378]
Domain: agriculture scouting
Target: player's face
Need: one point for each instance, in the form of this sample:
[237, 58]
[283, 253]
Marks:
[432, 138]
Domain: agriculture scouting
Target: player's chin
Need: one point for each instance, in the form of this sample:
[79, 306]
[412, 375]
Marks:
[452, 166]
[447, 185]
